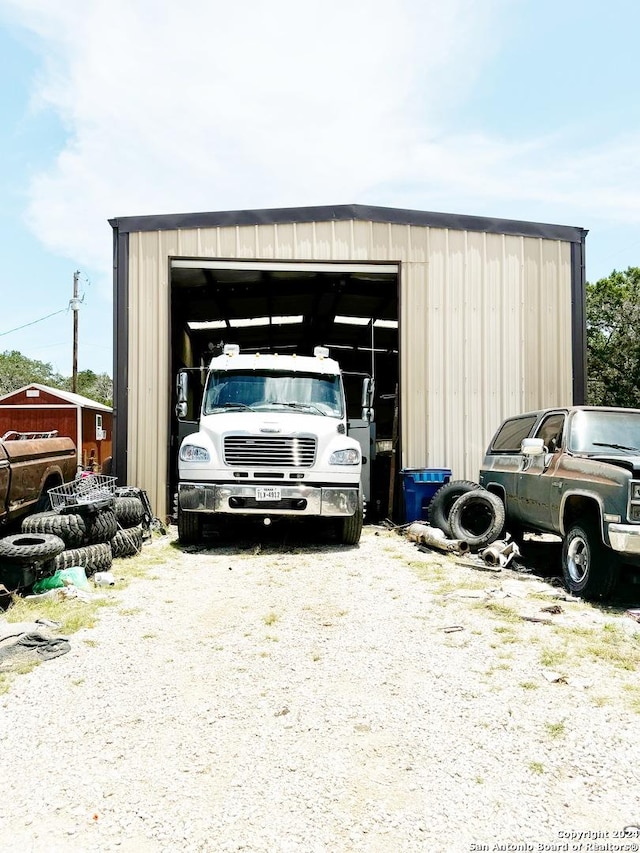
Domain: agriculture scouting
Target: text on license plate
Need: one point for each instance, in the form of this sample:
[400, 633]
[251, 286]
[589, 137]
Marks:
[268, 493]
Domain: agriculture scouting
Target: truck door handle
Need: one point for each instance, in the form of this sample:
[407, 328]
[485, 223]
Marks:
[557, 484]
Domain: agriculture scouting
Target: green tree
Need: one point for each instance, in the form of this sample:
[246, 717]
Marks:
[16, 371]
[95, 386]
[613, 339]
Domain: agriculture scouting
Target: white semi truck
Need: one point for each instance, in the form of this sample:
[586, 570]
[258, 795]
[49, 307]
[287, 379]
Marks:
[272, 442]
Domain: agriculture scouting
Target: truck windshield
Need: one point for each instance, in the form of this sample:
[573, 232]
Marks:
[613, 433]
[310, 393]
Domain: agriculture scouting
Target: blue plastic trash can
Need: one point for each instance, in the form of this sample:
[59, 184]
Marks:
[419, 487]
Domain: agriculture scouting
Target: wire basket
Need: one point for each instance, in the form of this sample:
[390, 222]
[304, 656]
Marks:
[85, 490]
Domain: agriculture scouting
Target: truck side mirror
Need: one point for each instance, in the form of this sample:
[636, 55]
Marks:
[182, 386]
[532, 447]
[368, 390]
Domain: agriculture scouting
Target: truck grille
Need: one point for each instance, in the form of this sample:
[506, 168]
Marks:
[269, 451]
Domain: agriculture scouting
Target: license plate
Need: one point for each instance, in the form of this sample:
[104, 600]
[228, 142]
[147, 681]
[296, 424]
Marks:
[268, 493]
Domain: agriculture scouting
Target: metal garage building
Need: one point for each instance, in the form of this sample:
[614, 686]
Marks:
[471, 319]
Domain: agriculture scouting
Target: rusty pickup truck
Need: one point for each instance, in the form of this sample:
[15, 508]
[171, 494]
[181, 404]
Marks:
[30, 465]
[573, 472]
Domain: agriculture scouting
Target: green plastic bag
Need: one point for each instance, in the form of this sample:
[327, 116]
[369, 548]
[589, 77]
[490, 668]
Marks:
[54, 582]
[74, 576]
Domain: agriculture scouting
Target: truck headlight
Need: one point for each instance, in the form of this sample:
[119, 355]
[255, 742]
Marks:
[193, 453]
[345, 457]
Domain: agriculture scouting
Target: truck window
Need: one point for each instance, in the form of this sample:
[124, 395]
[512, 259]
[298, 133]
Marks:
[510, 435]
[267, 390]
[550, 431]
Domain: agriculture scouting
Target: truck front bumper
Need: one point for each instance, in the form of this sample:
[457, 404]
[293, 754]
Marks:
[625, 538]
[294, 500]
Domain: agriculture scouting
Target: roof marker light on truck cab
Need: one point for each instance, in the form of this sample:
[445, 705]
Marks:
[231, 349]
[321, 352]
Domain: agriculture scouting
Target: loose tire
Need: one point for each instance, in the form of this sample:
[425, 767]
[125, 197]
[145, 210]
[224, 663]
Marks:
[71, 528]
[93, 558]
[189, 527]
[589, 568]
[30, 547]
[102, 526]
[129, 511]
[477, 518]
[350, 528]
[443, 501]
[127, 542]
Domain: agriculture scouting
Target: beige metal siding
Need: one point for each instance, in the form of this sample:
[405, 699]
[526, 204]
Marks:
[485, 329]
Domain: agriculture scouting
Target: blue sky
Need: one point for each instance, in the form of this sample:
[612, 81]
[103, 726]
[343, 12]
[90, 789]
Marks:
[522, 109]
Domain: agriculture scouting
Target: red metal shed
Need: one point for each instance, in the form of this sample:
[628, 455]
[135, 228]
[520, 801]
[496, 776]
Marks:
[39, 408]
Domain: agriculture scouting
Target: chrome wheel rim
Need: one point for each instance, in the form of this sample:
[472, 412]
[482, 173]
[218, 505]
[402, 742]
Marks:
[578, 560]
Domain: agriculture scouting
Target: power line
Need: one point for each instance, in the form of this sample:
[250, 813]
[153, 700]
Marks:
[33, 322]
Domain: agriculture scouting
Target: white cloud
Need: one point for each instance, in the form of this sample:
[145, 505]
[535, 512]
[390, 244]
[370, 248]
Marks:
[210, 106]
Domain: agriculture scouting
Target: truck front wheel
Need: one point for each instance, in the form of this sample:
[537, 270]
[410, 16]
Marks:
[189, 527]
[350, 528]
[589, 568]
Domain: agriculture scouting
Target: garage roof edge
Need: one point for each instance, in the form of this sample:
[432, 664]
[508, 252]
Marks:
[337, 213]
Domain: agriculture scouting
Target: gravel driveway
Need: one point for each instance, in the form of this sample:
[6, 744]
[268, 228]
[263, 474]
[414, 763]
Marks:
[289, 698]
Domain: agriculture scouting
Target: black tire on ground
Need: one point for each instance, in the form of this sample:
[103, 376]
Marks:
[350, 528]
[477, 517]
[71, 528]
[443, 501]
[589, 568]
[127, 542]
[102, 526]
[30, 547]
[93, 558]
[129, 511]
[189, 527]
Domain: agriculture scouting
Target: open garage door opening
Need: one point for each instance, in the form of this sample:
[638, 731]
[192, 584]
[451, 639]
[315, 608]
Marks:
[286, 308]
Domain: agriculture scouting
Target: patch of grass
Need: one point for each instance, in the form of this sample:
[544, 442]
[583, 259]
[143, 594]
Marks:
[129, 611]
[507, 634]
[271, 618]
[601, 701]
[553, 657]
[272, 638]
[500, 611]
[536, 767]
[149, 636]
[556, 729]
[4, 683]
[24, 667]
[72, 614]
[529, 685]
[633, 696]
[77, 681]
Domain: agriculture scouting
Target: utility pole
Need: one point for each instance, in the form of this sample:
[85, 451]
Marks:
[75, 306]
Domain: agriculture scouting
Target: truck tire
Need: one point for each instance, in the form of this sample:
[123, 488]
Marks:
[589, 568]
[30, 547]
[477, 518]
[127, 542]
[71, 528]
[443, 501]
[350, 527]
[129, 511]
[102, 526]
[93, 558]
[189, 527]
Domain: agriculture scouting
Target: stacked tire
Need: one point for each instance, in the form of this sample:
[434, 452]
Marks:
[465, 510]
[86, 533]
[130, 515]
[91, 536]
[24, 558]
